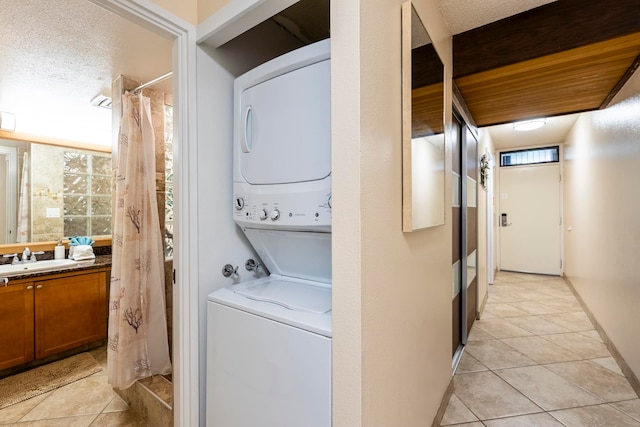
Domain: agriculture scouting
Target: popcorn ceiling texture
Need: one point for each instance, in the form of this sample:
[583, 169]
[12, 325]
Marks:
[58, 55]
[464, 15]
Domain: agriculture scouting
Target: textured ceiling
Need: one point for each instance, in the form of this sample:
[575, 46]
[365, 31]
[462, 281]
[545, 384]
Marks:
[465, 15]
[56, 55]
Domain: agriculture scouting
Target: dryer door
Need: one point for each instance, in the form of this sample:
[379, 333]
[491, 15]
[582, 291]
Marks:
[285, 127]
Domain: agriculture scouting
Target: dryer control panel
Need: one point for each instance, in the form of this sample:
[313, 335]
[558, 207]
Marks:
[270, 207]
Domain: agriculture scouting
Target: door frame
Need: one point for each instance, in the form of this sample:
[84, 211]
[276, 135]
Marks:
[185, 290]
[489, 216]
[467, 125]
[498, 265]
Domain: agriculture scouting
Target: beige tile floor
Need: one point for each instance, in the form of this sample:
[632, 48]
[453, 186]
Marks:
[535, 359]
[87, 402]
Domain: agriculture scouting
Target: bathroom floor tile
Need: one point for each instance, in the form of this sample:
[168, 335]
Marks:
[495, 354]
[596, 379]
[534, 420]
[119, 419]
[488, 396]
[540, 350]
[13, 413]
[87, 396]
[547, 389]
[594, 416]
[117, 404]
[457, 413]
[77, 421]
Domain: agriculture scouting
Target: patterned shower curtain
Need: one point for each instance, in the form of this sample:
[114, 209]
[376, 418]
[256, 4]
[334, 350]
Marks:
[137, 340]
[22, 236]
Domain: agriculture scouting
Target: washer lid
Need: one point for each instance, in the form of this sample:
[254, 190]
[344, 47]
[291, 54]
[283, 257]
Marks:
[293, 295]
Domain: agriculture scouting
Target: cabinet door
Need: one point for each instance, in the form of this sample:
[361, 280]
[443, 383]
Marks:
[70, 311]
[16, 325]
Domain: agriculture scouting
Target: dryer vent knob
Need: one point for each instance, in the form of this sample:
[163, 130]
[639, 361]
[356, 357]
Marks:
[239, 203]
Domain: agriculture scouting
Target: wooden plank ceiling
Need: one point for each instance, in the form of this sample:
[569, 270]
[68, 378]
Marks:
[565, 57]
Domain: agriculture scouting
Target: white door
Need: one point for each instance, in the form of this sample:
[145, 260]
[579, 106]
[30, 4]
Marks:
[529, 219]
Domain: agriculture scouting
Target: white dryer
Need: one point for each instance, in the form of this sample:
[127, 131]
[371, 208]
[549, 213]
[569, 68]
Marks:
[269, 339]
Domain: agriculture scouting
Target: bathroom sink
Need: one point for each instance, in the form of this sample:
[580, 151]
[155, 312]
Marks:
[36, 266]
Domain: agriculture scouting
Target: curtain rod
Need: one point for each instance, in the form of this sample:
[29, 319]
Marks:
[154, 81]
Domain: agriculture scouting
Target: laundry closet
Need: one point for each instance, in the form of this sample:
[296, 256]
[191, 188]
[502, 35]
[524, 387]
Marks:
[265, 266]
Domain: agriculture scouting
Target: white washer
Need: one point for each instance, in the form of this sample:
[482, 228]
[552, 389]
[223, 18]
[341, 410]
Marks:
[270, 361]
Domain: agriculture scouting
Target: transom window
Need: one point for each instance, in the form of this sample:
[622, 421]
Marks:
[531, 156]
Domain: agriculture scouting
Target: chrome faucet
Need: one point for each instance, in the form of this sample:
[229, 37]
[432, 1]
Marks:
[33, 256]
[14, 256]
[27, 257]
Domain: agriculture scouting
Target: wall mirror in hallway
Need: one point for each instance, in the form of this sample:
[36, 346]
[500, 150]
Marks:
[422, 126]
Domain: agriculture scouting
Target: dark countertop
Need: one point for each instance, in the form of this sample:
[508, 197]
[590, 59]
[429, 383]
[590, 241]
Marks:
[100, 261]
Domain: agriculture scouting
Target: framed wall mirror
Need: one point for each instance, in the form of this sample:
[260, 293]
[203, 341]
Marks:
[423, 149]
[53, 191]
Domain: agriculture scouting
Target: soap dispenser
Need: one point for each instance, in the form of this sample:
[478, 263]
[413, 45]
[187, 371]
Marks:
[58, 250]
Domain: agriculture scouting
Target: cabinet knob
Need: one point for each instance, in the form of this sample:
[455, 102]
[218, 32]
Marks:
[39, 287]
[29, 287]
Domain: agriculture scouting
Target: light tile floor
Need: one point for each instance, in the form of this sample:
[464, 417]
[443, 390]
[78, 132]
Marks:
[535, 359]
[88, 402]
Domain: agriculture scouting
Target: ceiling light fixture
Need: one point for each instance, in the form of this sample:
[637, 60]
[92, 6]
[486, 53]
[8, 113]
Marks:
[7, 121]
[529, 124]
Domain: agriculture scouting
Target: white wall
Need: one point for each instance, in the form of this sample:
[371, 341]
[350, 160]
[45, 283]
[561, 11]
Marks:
[602, 211]
[221, 242]
[391, 290]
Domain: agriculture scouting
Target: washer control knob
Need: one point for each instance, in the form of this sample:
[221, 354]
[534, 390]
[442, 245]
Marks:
[238, 203]
[275, 215]
[263, 214]
[329, 201]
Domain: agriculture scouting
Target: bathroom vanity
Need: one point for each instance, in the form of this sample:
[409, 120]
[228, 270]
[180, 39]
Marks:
[46, 312]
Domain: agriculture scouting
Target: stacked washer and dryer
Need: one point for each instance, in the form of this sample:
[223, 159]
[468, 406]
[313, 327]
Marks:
[269, 339]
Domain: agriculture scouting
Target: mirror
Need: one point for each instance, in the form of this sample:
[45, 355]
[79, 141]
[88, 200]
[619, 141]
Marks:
[423, 150]
[52, 191]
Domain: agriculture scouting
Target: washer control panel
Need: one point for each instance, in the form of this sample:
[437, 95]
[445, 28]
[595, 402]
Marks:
[310, 209]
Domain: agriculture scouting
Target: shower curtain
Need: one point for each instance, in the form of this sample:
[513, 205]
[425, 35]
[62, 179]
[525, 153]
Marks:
[22, 235]
[137, 339]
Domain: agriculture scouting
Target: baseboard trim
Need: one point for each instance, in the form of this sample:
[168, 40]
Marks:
[482, 304]
[626, 370]
[443, 404]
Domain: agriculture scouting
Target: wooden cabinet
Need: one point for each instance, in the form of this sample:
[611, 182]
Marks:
[16, 324]
[42, 317]
[70, 311]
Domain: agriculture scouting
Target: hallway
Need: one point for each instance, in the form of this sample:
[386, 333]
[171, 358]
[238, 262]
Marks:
[535, 359]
